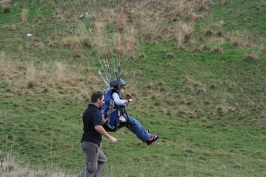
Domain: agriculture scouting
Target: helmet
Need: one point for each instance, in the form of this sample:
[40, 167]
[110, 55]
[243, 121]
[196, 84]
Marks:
[114, 83]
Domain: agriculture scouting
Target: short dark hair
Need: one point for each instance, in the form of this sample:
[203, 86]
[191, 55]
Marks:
[95, 95]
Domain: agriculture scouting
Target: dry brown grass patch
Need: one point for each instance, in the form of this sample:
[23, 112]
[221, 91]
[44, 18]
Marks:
[158, 87]
[135, 73]
[213, 31]
[206, 48]
[186, 31]
[196, 50]
[201, 90]
[236, 41]
[170, 55]
[85, 41]
[146, 17]
[10, 27]
[171, 101]
[193, 86]
[5, 69]
[24, 15]
[248, 19]
[204, 119]
[9, 167]
[181, 48]
[184, 111]
[263, 50]
[34, 45]
[77, 54]
[188, 80]
[6, 8]
[251, 57]
[27, 78]
[121, 22]
[188, 88]
[55, 34]
[174, 16]
[241, 39]
[207, 32]
[93, 80]
[194, 16]
[202, 5]
[118, 44]
[217, 26]
[217, 51]
[70, 42]
[25, 55]
[224, 2]
[197, 84]
[5, 4]
[30, 73]
[86, 96]
[149, 32]
[131, 42]
[221, 108]
[59, 73]
[142, 55]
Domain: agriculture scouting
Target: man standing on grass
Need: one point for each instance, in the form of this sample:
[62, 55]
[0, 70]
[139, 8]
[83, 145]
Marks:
[92, 137]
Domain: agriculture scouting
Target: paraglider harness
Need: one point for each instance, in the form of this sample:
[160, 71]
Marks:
[112, 112]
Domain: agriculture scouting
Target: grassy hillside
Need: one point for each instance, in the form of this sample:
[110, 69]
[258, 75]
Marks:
[196, 70]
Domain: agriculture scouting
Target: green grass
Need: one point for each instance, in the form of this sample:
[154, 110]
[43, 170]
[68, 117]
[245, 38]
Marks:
[246, 16]
[209, 109]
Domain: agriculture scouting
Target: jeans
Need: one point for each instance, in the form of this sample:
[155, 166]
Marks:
[95, 160]
[137, 129]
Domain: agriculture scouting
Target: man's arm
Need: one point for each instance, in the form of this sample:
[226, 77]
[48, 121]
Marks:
[101, 130]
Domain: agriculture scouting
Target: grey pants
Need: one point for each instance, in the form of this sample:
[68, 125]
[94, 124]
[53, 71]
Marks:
[95, 160]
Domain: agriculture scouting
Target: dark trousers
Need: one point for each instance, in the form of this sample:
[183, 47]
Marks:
[95, 160]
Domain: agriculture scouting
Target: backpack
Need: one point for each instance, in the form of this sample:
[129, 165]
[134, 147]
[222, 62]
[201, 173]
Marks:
[111, 111]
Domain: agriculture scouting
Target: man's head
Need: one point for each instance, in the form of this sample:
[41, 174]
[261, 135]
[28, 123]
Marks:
[97, 98]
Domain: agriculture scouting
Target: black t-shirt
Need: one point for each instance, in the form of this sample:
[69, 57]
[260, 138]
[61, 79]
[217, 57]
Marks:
[91, 117]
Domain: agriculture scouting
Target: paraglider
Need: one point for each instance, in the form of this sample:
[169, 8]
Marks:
[108, 51]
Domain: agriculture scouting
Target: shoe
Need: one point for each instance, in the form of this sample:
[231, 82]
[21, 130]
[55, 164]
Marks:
[152, 139]
[148, 131]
